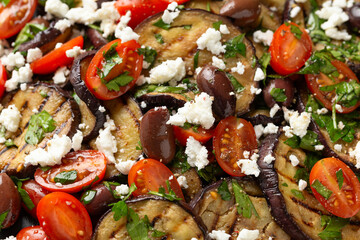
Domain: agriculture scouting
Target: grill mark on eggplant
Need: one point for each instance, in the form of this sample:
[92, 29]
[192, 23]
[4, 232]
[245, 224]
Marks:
[3, 151]
[136, 120]
[23, 147]
[287, 177]
[315, 210]
[60, 107]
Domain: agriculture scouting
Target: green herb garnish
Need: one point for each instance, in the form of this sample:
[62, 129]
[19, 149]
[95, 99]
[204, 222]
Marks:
[23, 193]
[120, 81]
[224, 192]
[39, 124]
[321, 189]
[234, 46]
[27, 33]
[237, 86]
[340, 178]
[169, 195]
[278, 94]
[332, 227]
[298, 194]
[161, 24]
[196, 60]
[88, 196]
[216, 25]
[159, 38]
[66, 177]
[244, 205]
[149, 55]
[2, 218]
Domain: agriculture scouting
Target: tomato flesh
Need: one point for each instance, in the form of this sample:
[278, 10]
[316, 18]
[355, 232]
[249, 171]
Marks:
[15, 15]
[56, 58]
[35, 192]
[150, 175]
[315, 82]
[90, 166]
[3, 78]
[63, 217]
[232, 137]
[342, 202]
[288, 53]
[131, 62]
[202, 135]
[32, 233]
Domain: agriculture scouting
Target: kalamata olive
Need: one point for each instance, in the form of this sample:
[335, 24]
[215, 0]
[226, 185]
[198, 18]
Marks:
[157, 137]
[96, 38]
[10, 200]
[245, 12]
[35, 192]
[100, 203]
[280, 84]
[354, 15]
[215, 83]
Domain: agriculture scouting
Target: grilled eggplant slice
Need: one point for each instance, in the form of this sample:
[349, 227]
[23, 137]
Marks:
[77, 75]
[219, 214]
[154, 99]
[52, 99]
[181, 42]
[174, 219]
[126, 114]
[299, 217]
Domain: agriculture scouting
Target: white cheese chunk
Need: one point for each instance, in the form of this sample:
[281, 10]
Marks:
[197, 154]
[219, 235]
[33, 54]
[183, 182]
[10, 118]
[60, 75]
[170, 70]
[263, 37]
[302, 185]
[246, 234]
[211, 40]
[217, 62]
[63, 24]
[56, 8]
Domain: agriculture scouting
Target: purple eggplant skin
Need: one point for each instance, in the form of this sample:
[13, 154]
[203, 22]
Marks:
[96, 38]
[264, 120]
[77, 75]
[10, 200]
[355, 67]
[152, 100]
[215, 83]
[269, 184]
[40, 39]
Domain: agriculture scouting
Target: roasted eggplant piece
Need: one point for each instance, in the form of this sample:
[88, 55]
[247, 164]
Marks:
[181, 42]
[193, 181]
[155, 99]
[10, 203]
[257, 117]
[213, 6]
[173, 219]
[300, 217]
[220, 214]
[91, 115]
[59, 104]
[95, 37]
[299, 18]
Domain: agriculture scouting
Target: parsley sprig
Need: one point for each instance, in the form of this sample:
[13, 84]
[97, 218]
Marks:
[169, 195]
[39, 124]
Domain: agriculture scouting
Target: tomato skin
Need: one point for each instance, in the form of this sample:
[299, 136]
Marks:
[289, 54]
[314, 82]
[3, 78]
[32, 233]
[89, 164]
[150, 175]
[202, 135]
[348, 198]
[35, 192]
[63, 217]
[230, 141]
[11, 22]
[56, 58]
[132, 62]
[142, 9]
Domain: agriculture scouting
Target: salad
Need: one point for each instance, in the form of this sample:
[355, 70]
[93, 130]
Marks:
[179, 119]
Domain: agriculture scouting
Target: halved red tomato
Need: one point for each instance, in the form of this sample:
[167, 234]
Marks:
[336, 187]
[3, 78]
[290, 48]
[150, 175]
[78, 170]
[14, 16]
[200, 134]
[56, 58]
[35, 192]
[142, 9]
[32, 233]
[63, 217]
[130, 63]
[232, 137]
[315, 82]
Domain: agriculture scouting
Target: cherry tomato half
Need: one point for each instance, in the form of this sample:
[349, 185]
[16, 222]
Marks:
[131, 63]
[32, 233]
[88, 166]
[63, 217]
[200, 134]
[35, 192]
[142, 9]
[14, 16]
[56, 58]
[288, 52]
[3, 78]
[344, 199]
[150, 175]
[315, 82]
[232, 137]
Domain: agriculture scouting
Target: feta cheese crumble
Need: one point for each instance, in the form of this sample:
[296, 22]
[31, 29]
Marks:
[76, 140]
[263, 37]
[124, 166]
[182, 182]
[197, 154]
[302, 185]
[295, 11]
[13, 60]
[10, 118]
[259, 75]
[106, 142]
[294, 160]
[269, 159]
[211, 40]
[356, 154]
[60, 75]
[170, 70]
[122, 190]
[274, 110]
[271, 129]
[298, 122]
[56, 8]
[239, 69]
[259, 131]
[23, 75]
[246, 234]
[217, 62]
[219, 235]
[338, 147]
[62, 24]
[74, 52]
[170, 13]
[249, 167]
[33, 54]
[224, 29]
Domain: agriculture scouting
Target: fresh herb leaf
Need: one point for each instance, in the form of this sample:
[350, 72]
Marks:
[149, 54]
[332, 227]
[309, 141]
[321, 189]
[196, 60]
[112, 59]
[23, 193]
[302, 173]
[285, 184]
[88, 196]
[10, 143]
[4, 2]
[44, 169]
[296, 31]
[157, 233]
[210, 172]
[244, 205]
[208, 7]
[320, 61]
[137, 228]
[180, 160]
[159, 38]
[293, 142]
[187, 27]
[139, 146]
[120, 81]
[161, 24]
[237, 86]
[66, 177]
[278, 94]
[169, 195]
[39, 124]
[224, 192]
[216, 25]
[43, 94]
[340, 178]
[27, 33]
[70, 3]
[348, 93]
[120, 209]
[298, 194]
[2, 218]
[264, 62]
[234, 46]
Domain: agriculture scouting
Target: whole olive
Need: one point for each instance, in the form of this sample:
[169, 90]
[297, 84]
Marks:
[285, 87]
[215, 83]
[10, 200]
[157, 137]
[245, 12]
[354, 15]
